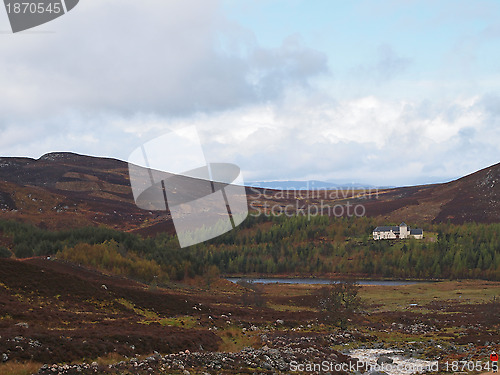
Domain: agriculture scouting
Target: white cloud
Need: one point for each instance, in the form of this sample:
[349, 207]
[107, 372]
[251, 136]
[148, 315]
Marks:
[125, 57]
[115, 74]
[364, 140]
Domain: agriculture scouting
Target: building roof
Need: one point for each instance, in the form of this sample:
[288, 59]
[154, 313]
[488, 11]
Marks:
[396, 230]
[386, 229]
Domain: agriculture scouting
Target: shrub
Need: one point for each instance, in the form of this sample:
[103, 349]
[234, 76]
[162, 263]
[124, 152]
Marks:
[4, 252]
[338, 302]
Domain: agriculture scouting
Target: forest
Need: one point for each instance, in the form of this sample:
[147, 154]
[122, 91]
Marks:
[317, 246]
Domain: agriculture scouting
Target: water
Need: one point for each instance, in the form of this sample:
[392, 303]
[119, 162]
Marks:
[276, 280]
[401, 365]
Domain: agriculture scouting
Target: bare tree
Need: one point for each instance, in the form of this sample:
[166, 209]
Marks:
[338, 302]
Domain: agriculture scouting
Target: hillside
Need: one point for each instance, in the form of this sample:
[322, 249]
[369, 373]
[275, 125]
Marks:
[56, 315]
[86, 288]
[475, 197]
[66, 190]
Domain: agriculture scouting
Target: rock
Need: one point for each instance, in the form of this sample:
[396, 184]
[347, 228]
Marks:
[274, 353]
[378, 373]
[5, 357]
[23, 325]
[281, 364]
[266, 366]
[384, 359]
[280, 322]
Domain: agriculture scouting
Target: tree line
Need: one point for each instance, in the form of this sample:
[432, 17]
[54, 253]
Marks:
[279, 245]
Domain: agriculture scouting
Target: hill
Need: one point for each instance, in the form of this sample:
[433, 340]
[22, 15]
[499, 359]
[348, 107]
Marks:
[307, 185]
[67, 190]
[473, 198]
[54, 311]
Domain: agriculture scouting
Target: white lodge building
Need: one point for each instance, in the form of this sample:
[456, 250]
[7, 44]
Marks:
[392, 233]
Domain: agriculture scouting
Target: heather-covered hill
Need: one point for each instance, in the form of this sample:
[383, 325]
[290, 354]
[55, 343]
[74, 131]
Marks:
[475, 197]
[66, 190]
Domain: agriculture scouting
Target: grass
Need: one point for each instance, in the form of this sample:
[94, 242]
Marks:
[110, 359]
[279, 307]
[148, 314]
[179, 321]
[233, 340]
[14, 368]
[152, 317]
[399, 298]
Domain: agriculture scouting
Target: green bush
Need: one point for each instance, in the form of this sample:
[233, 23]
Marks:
[4, 252]
[23, 251]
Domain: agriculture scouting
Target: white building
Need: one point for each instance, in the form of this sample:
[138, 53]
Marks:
[392, 233]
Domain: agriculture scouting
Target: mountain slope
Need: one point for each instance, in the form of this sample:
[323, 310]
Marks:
[475, 197]
[61, 190]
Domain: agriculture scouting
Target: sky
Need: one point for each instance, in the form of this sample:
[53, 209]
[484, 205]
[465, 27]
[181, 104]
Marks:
[387, 92]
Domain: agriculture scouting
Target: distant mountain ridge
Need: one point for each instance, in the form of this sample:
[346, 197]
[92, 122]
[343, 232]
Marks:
[307, 185]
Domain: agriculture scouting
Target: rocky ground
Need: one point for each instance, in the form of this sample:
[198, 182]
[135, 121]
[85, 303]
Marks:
[293, 352]
[83, 322]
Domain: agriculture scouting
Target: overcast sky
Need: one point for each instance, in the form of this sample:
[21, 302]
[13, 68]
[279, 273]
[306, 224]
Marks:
[394, 92]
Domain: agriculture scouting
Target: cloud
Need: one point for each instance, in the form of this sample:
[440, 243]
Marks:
[114, 74]
[123, 56]
[384, 142]
[364, 140]
[273, 70]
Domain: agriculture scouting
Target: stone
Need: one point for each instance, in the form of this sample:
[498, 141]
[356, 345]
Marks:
[384, 359]
[266, 366]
